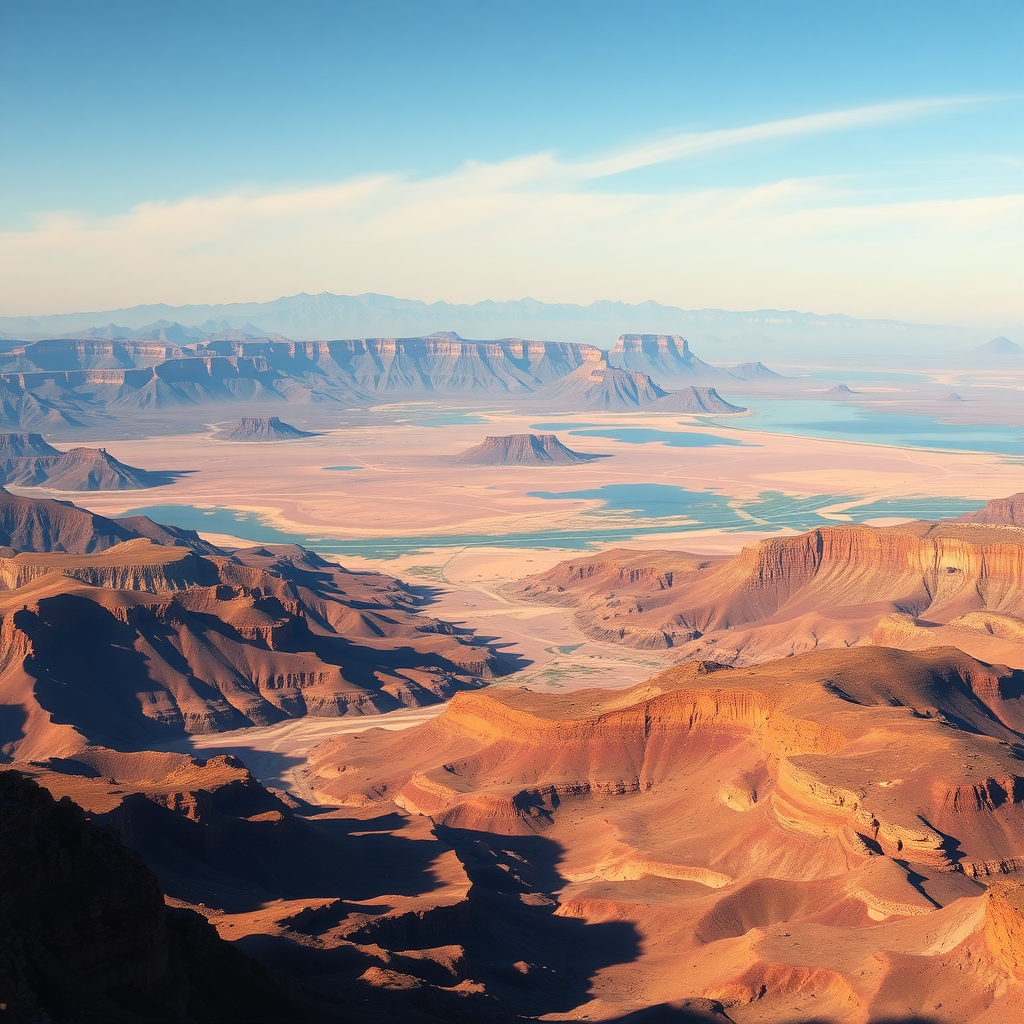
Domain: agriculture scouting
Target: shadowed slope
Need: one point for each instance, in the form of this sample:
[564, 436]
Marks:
[143, 642]
[812, 835]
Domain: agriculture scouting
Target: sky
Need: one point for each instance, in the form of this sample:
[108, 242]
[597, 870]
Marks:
[857, 157]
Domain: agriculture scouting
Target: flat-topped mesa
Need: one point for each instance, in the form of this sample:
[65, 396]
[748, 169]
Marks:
[598, 386]
[264, 428]
[695, 400]
[664, 356]
[522, 450]
[999, 511]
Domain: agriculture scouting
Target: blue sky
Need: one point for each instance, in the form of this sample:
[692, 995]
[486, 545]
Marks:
[239, 150]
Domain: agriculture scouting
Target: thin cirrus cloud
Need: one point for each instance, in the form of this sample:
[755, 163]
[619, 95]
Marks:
[524, 226]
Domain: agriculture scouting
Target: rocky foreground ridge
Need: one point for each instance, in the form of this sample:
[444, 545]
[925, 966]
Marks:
[837, 835]
[116, 637]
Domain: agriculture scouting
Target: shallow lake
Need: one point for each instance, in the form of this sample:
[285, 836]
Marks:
[845, 421]
[655, 508]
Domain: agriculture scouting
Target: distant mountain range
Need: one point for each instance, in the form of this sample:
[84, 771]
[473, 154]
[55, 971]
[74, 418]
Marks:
[326, 316]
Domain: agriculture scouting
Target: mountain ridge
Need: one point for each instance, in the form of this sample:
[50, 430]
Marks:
[307, 317]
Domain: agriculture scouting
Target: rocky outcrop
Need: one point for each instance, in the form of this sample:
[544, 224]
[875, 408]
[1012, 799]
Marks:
[767, 822]
[599, 387]
[829, 587]
[839, 391]
[33, 463]
[138, 642]
[21, 446]
[695, 400]
[754, 371]
[264, 428]
[522, 450]
[43, 524]
[1007, 511]
[85, 935]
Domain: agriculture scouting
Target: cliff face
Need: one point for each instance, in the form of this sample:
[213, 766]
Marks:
[522, 450]
[83, 375]
[810, 815]
[999, 511]
[666, 357]
[142, 642]
[827, 587]
[599, 387]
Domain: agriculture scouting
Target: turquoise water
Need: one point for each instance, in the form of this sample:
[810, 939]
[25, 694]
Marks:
[340, 468]
[642, 435]
[673, 439]
[648, 502]
[844, 421]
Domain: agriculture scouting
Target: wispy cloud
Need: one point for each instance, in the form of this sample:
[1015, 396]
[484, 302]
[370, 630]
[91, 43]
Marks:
[686, 144]
[527, 226]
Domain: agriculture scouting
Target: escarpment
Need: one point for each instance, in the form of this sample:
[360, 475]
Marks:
[142, 641]
[812, 814]
[828, 587]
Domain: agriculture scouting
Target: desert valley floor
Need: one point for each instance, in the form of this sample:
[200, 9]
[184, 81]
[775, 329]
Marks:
[719, 718]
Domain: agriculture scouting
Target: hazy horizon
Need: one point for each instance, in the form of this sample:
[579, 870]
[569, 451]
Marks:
[728, 157]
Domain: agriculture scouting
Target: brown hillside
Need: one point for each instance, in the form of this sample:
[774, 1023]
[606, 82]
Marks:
[143, 642]
[910, 586]
[809, 839]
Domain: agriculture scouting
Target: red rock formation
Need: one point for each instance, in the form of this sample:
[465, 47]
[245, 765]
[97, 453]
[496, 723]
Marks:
[810, 837]
[141, 642]
[828, 587]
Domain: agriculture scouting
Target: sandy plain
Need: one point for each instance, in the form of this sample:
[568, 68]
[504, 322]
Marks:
[406, 486]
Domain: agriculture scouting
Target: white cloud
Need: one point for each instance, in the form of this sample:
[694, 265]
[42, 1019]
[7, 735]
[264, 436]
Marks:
[526, 227]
